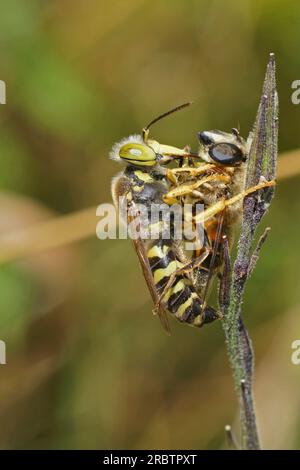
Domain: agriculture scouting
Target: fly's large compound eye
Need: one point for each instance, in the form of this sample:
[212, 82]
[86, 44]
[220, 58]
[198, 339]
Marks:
[138, 154]
[226, 154]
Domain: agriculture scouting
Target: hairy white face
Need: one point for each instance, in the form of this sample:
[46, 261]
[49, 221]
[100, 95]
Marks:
[134, 150]
[222, 148]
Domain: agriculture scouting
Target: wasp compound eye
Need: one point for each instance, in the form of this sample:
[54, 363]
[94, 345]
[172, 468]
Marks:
[138, 154]
[226, 154]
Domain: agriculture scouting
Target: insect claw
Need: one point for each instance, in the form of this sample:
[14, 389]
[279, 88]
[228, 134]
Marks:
[155, 311]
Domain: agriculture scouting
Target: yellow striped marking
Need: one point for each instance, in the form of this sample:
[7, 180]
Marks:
[198, 321]
[143, 176]
[158, 251]
[180, 312]
[173, 290]
[165, 272]
[137, 188]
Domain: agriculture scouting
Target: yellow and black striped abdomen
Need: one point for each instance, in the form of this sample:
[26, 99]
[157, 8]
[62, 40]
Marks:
[180, 298]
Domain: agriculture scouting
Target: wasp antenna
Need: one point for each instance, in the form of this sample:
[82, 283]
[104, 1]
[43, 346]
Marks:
[171, 111]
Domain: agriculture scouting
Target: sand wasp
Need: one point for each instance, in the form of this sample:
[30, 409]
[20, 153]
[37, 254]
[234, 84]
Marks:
[178, 283]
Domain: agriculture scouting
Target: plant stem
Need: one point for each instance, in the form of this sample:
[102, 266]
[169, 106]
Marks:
[261, 164]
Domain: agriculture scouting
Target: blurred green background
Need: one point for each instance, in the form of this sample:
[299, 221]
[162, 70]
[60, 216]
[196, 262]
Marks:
[87, 364]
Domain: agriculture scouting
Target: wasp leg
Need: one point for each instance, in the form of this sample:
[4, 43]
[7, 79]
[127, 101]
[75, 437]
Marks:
[221, 205]
[186, 189]
[173, 172]
[186, 269]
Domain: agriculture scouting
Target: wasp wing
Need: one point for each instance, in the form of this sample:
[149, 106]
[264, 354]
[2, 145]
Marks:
[121, 189]
[139, 246]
